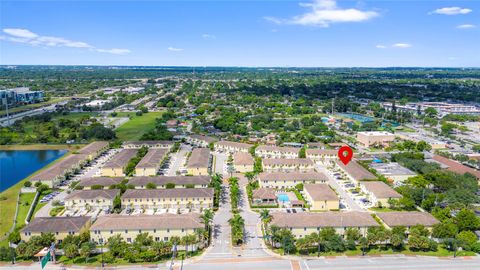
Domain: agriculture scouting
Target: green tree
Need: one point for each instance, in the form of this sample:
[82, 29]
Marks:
[467, 239]
[71, 251]
[466, 220]
[151, 186]
[86, 249]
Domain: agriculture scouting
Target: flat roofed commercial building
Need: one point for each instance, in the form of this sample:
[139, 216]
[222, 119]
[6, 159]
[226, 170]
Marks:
[355, 171]
[200, 140]
[369, 138]
[281, 180]
[54, 174]
[116, 165]
[243, 162]
[105, 182]
[199, 162]
[393, 171]
[161, 227]
[407, 219]
[378, 192]
[61, 227]
[161, 181]
[94, 149]
[148, 144]
[232, 147]
[321, 197]
[266, 151]
[151, 162]
[178, 198]
[304, 223]
[290, 164]
[91, 199]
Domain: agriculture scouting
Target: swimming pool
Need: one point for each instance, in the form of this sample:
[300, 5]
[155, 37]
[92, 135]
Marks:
[283, 198]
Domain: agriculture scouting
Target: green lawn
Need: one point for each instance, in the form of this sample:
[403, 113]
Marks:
[137, 126]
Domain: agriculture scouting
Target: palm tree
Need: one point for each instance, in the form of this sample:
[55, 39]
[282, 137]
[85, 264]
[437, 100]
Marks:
[207, 219]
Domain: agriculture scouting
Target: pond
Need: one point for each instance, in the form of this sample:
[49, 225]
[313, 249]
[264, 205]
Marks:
[16, 165]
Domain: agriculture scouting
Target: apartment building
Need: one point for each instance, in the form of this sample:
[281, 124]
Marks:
[94, 149]
[161, 181]
[200, 140]
[53, 175]
[232, 147]
[116, 166]
[91, 199]
[379, 193]
[288, 165]
[161, 227]
[354, 171]
[322, 155]
[321, 197]
[151, 162]
[407, 219]
[61, 227]
[280, 180]
[97, 182]
[243, 162]
[199, 162]
[149, 144]
[178, 198]
[266, 151]
[302, 224]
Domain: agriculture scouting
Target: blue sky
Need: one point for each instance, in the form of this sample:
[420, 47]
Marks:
[242, 33]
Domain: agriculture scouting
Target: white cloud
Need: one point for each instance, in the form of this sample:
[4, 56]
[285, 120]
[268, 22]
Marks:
[25, 36]
[322, 13]
[208, 36]
[451, 11]
[114, 51]
[465, 26]
[173, 49]
[380, 46]
[401, 45]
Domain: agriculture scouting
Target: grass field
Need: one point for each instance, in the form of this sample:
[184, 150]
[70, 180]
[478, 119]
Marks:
[137, 126]
[31, 106]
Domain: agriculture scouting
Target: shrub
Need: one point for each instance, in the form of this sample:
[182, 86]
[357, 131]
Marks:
[27, 184]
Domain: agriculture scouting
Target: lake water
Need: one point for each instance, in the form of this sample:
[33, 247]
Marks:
[16, 165]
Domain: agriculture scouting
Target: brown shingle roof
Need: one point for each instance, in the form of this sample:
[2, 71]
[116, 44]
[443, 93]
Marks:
[121, 159]
[146, 222]
[299, 176]
[380, 189]
[287, 161]
[92, 194]
[168, 193]
[324, 219]
[148, 143]
[58, 169]
[104, 181]
[93, 148]
[407, 218]
[199, 158]
[56, 224]
[234, 144]
[163, 180]
[269, 148]
[264, 193]
[242, 158]
[321, 192]
[327, 152]
[356, 170]
[456, 167]
[203, 138]
[153, 158]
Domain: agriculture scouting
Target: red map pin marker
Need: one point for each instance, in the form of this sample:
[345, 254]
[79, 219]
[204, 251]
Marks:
[345, 153]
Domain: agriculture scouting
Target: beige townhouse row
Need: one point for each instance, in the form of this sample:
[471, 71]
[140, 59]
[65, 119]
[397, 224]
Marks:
[287, 165]
[267, 151]
[281, 180]
[181, 198]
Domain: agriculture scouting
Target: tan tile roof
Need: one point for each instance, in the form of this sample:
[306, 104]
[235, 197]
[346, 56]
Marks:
[148, 143]
[93, 148]
[148, 222]
[407, 219]
[356, 170]
[234, 144]
[269, 148]
[161, 180]
[299, 176]
[380, 189]
[287, 161]
[200, 158]
[242, 158]
[456, 167]
[324, 219]
[264, 193]
[169, 193]
[104, 181]
[92, 194]
[56, 224]
[327, 152]
[121, 159]
[153, 158]
[320, 192]
[59, 168]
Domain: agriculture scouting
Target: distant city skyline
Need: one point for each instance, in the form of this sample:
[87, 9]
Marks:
[318, 33]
